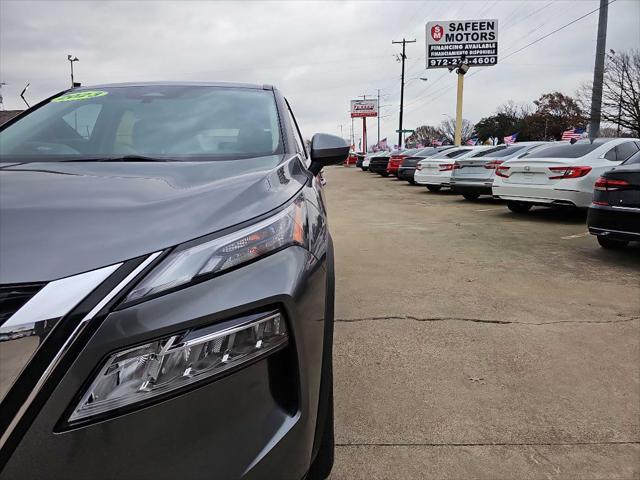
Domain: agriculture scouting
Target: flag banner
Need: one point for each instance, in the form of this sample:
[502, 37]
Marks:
[573, 133]
[436, 143]
[472, 141]
[511, 139]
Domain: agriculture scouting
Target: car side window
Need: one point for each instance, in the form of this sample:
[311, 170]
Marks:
[296, 132]
[612, 155]
[625, 150]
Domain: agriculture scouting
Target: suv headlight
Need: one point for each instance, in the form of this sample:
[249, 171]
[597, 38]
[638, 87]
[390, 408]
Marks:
[185, 264]
[147, 371]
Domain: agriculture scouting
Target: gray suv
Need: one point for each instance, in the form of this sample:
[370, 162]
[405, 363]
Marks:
[167, 286]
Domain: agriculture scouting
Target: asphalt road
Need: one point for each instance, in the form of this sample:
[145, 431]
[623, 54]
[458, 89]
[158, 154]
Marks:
[473, 343]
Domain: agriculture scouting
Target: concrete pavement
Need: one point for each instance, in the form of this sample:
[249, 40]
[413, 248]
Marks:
[475, 343]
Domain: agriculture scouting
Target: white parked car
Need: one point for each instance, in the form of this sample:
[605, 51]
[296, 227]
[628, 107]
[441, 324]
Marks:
[367, 160]
[560, 175]
[435, 172]
[473, 176]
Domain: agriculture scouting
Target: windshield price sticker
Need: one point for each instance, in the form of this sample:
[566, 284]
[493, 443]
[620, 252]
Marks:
[448, 41]
[71, 97]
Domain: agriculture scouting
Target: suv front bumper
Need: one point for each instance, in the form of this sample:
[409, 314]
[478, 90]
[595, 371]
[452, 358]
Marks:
[256, 422]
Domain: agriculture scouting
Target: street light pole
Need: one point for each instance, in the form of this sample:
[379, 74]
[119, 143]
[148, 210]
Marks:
[72, 59]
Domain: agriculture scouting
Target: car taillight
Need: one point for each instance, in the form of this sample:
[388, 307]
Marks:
[493, 164]
[569, 172]
[444, 167]
[503, 171]
[609, 184]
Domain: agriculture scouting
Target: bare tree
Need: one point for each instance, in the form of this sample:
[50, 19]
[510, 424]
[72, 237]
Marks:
[447, 130]
[621, 92]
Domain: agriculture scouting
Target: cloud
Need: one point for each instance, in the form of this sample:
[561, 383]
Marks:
[320, 54]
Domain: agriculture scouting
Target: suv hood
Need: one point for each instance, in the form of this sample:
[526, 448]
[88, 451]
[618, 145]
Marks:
[59, 219]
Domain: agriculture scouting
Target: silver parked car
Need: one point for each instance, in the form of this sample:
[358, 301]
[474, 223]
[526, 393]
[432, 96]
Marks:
[473, 176]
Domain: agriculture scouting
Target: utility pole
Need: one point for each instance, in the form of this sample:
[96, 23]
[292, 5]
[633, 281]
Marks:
[378, 116]
[598, 72]
[404, 56]
[2, 84]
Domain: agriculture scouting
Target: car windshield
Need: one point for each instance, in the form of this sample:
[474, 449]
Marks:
[454, 153]
[161, 122]
[426, 152]
[506, 152]
[565, 151]
[488, 151]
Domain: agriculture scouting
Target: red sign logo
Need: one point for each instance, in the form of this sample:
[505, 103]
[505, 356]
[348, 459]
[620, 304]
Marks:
[436, 32]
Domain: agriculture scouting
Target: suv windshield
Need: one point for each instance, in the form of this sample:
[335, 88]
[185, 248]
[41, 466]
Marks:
[157, 121]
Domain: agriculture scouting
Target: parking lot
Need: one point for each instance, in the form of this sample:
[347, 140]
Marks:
[474, 343]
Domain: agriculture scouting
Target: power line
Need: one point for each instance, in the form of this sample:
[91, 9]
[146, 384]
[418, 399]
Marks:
[527, 46]
[555, 31]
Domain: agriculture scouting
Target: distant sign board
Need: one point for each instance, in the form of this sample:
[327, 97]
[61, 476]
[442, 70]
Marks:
[449, 40]
[364, 108]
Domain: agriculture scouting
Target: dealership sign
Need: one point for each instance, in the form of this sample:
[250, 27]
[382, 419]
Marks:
[474, 40]
[364, 108]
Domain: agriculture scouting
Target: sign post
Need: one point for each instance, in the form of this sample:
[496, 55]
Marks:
[363, 109]
[459, 45]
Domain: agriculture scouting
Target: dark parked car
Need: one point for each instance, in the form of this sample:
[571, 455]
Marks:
[167, 286]
[407, 168]
[614, 215]
[360, 158]
[379, 163]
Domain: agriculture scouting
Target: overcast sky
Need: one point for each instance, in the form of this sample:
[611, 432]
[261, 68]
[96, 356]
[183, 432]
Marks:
[320, 54]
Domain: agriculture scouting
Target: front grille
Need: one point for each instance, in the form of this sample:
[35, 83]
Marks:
[13, 297]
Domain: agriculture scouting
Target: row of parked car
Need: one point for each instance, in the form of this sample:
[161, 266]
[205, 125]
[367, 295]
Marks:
[602, 176]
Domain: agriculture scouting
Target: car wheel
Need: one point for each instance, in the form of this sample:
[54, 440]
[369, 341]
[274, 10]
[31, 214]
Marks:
[611, 244]
[518, 207]
[471, 196]
[434, 188]
[385, 174]
[412, 182]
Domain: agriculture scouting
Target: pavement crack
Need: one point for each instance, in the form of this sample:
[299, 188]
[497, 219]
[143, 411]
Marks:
[480, 320]
[496, 444]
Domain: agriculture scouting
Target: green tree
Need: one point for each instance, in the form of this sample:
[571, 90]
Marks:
[423, 135]
[499, 125]
[555, 112]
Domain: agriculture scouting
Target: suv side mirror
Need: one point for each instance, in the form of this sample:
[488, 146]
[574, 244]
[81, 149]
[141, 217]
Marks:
[327, 150]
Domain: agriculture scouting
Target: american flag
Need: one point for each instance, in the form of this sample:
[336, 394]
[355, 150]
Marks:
[573, 133]
[472, 141]
[436, 143]
[511, 139]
